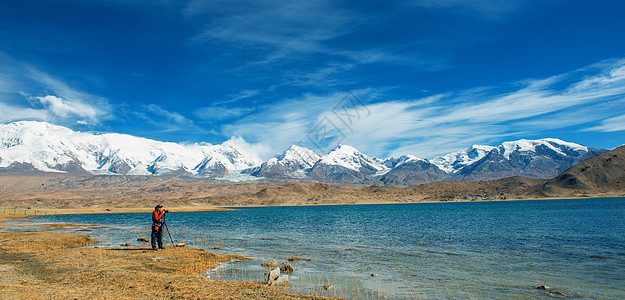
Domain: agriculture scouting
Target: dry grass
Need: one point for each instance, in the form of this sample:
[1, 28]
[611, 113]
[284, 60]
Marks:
[47, 265]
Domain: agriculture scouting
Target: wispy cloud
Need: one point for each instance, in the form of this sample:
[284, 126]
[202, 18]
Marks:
[51, 108]
[536, 107]
[218, 113]
[164, 120]
[285, 122]
[232, 98]
[285, 28]
[610, 125]
[297, 38]
[491, 9]
[324, 76]
[329, 44]
[30, 93]
[233, 106]
[11, 113]
[67, 108]
[169, 116]
[448, 122]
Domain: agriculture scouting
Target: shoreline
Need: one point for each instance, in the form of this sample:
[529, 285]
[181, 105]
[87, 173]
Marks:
[45, 265]
[158, 255]
[23, 213]
[234, 207]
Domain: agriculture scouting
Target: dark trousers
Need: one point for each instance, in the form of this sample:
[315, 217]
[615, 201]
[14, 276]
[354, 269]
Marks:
[157, 237]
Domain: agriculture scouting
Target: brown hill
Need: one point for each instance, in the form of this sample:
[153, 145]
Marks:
[516, 187]
[75, 191]
[601, 174]
[320, 193]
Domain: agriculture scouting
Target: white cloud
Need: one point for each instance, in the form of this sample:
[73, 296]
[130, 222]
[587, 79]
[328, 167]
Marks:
[258, 151]
[239, 96]
[610, 125]
[295, 27]
[220, 110]
[168, 115]
[449, 122]
[62, 90]
[67, 108]
[279, 30]
[11, 113]
[50, 108]
[29, 93]
[168, 121]
[324, 76]
[286, 122]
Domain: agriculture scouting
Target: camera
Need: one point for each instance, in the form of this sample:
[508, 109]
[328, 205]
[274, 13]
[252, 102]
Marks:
[166, 211]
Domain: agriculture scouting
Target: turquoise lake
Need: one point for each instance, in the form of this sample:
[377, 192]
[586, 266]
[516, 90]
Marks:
[425, 250]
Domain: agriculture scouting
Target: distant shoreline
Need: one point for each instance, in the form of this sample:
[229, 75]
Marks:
[22, 213]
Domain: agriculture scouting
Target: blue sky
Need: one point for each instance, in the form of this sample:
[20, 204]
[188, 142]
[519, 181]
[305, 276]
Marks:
[387, 77]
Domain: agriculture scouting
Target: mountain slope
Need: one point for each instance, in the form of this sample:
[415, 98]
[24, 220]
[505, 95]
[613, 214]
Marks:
[454, 162]
[42, 147]
[543, 158]
[602, 173]
[50, 148]
[292, 162]
[413, 172]
[345, 164]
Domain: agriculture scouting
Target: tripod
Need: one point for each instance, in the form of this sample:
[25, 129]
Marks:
[167, 228]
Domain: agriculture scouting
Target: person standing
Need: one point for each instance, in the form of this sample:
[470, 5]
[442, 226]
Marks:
[158, 217]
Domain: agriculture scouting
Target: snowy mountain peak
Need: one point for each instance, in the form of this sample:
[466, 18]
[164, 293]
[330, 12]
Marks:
[394, 162]
[344, 149]
[51, 148]
[301, 156]
[350, 158]
[292, 162]
[453, 162]
[558, 146]
[29, 145]
[542, 158]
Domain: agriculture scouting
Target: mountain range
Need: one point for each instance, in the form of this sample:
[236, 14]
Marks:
[29, 146]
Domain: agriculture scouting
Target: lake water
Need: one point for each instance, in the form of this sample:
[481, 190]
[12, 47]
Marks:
[438, 250]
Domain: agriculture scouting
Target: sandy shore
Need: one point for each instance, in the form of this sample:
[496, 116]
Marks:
[48, 265]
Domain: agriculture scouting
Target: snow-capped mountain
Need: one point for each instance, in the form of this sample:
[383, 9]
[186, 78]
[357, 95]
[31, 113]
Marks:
[346, 164]
[49, 148]
[297, 158]
[292, 162]
[542, 158]
[350, 158]
[394, 162]
[40, 146]
[453, 162]
[409, 170]
[413, 172]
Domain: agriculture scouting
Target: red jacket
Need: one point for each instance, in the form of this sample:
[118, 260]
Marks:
[157, 219]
